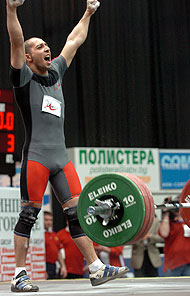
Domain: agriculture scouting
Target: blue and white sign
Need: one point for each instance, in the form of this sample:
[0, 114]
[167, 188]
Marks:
[174, 168]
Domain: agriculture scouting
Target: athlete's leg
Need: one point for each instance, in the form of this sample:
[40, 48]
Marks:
[82, 241]
[34, 178]
[21, 238]
[67, 188]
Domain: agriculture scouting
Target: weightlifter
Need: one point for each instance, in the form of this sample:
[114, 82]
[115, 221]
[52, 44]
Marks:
[37, 87]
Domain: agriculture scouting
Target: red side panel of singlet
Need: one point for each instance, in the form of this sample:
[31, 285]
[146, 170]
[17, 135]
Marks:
[72, 179]
[37, 178]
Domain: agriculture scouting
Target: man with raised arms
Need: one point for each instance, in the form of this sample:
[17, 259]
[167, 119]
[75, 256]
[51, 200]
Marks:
[37, 87]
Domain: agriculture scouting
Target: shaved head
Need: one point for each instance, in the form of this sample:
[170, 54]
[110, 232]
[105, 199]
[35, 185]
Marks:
[28, 44]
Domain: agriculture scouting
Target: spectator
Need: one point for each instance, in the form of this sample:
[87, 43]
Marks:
[176, 236]
[53, 247]
[145, 254]
[74, 260]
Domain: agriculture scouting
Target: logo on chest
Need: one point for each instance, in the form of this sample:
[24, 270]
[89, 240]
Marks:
[51, 105]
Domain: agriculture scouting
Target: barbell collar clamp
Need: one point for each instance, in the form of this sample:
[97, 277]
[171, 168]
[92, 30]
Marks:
[105, 209]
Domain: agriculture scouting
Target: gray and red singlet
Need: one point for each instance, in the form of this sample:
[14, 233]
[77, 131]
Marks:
[41, 102]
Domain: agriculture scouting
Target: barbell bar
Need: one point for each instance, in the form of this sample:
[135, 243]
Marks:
[99, 210]
[172, 206]
[118, 208]
[107, 211]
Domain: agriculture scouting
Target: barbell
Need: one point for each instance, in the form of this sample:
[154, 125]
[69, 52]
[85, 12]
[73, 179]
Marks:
[117, 209]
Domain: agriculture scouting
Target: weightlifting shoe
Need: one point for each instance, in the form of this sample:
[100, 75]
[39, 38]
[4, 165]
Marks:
[107, 273]
[22, 283]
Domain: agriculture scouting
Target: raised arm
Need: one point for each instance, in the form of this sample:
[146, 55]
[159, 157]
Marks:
[15, 34]
[79, 33]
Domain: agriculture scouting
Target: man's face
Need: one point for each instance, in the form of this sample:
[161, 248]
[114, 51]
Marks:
[48, 222]
[40, 54]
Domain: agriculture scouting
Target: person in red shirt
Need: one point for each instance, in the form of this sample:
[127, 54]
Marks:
[53, 249]
[74, 259]
[176, 236]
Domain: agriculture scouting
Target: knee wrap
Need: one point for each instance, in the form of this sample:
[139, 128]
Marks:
[74, 225]
[27, 219]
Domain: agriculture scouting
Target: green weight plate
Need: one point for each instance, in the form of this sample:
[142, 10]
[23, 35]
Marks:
[129, 195]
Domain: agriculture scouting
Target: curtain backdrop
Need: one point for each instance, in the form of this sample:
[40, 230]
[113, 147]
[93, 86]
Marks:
[129, 84]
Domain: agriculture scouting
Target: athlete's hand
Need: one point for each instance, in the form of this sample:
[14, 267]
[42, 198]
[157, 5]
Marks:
[92, 6]
[15, 3]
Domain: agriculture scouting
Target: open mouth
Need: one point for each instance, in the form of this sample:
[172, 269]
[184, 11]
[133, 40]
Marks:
[47, 58]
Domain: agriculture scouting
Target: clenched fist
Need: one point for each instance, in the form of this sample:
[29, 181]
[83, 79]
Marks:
[16, 3]
[92, 5]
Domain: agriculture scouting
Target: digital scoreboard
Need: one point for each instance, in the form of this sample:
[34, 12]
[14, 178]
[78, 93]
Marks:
[7, 133]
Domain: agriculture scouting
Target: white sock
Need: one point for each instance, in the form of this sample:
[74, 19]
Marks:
[18, 270]
[95, 266]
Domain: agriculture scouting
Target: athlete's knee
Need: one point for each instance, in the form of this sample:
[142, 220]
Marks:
[74, 225]
[26, 221]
